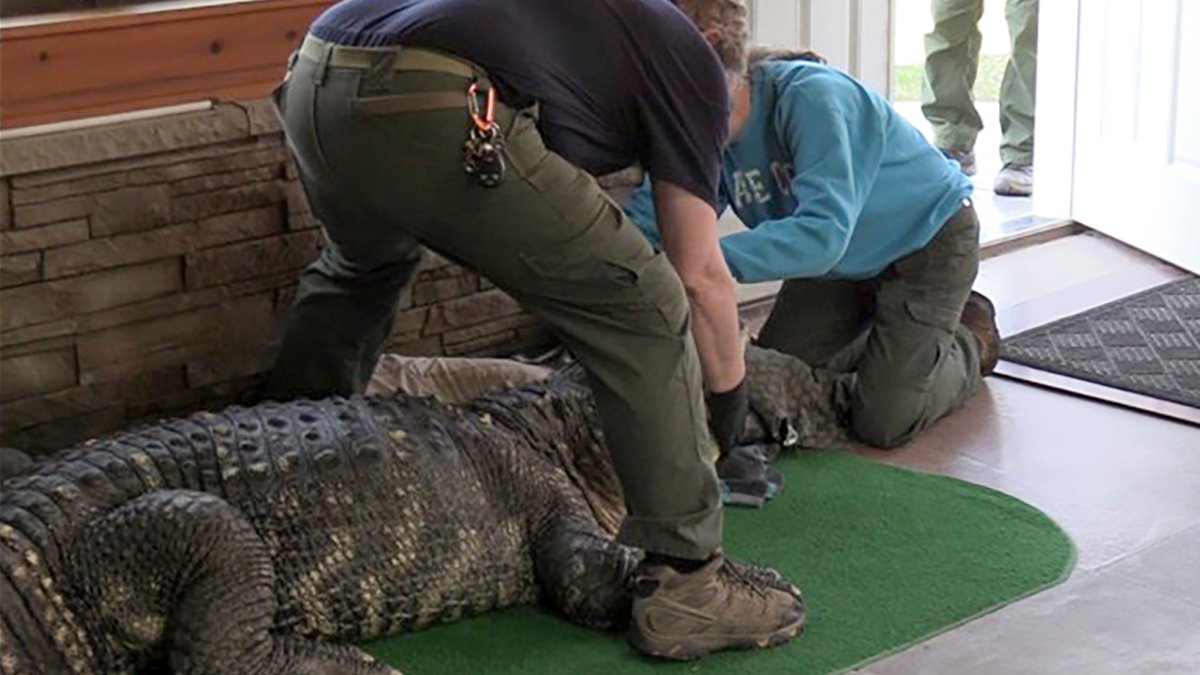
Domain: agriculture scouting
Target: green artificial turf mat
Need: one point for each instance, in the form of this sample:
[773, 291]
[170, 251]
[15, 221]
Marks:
[886, 557]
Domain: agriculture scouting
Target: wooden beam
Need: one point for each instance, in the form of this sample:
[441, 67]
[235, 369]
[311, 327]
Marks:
[105, 62]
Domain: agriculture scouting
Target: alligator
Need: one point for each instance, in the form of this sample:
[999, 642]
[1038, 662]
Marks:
[274, 537]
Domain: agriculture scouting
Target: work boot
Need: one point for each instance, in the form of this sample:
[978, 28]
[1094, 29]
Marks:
[687, 615]
[965, 159]
[979, 316]
[1014, 180]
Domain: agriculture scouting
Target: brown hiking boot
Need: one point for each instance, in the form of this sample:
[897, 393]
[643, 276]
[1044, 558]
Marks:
[979, 316]
[719, 606]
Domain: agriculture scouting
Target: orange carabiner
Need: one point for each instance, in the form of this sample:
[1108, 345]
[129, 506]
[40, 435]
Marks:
[488, 121]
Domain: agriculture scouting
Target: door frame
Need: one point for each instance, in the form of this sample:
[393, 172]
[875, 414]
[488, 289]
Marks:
[855, 35]
[1057, 84]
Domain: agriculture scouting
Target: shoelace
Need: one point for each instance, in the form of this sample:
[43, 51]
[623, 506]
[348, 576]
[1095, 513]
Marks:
[737, 576]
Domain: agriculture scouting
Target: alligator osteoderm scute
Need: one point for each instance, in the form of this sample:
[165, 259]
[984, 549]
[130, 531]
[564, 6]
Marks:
[796, 404]
[268, 539]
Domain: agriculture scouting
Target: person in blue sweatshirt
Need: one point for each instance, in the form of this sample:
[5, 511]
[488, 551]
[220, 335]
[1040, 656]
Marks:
[873, 233]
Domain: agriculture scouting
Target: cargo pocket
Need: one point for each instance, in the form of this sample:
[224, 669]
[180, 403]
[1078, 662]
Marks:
[929, 342]
[596, 262]
[600, 261]
[600, 253]
[611, 270]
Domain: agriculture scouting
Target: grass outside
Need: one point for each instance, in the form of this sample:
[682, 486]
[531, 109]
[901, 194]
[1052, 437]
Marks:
[910, 79]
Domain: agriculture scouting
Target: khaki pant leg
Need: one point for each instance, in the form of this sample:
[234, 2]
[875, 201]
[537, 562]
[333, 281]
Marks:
[920, 363]
[951, 63]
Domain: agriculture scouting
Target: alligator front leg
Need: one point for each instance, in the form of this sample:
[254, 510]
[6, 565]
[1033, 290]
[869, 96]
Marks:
[586, 574]
[184, 573]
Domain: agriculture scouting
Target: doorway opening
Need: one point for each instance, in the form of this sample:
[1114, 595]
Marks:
[1002, 217]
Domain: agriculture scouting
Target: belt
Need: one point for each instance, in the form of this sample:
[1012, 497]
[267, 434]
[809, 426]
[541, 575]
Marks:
[368, 58]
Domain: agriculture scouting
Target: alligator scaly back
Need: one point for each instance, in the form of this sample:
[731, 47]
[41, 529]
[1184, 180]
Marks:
[260, 539]
[250, 540]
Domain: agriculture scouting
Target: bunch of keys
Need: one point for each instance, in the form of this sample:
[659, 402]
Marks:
[481, 152]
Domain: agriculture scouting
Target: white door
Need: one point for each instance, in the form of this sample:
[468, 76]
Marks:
[854, 35]
[1137, 125]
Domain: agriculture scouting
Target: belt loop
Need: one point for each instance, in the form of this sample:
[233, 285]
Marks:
[323, 64]
[382, 72]
[291, 65]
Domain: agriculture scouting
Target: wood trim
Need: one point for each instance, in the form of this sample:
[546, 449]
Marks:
[1057, 81]
[1099, 392]
[1038, 234]
[145, 56]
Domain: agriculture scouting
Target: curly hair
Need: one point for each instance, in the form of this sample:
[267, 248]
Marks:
[731, 19]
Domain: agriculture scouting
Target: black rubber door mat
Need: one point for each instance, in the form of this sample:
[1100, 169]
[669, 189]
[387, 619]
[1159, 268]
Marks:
[1148, 344]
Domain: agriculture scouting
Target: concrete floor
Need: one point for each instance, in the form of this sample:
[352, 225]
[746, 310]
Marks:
[1124, 485]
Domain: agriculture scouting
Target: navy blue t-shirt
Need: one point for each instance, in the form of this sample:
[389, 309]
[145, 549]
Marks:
[617, 82]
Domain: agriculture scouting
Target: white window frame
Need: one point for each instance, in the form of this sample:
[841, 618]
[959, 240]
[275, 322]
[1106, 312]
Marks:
[855, 35]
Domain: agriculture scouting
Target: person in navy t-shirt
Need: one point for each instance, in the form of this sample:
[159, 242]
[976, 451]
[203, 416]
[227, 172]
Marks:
[477, 128]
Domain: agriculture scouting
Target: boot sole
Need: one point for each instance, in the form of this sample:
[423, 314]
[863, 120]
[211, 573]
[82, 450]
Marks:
[690, 648]
[986, 368]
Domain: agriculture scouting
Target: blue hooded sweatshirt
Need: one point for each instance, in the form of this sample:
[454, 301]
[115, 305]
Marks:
[829, 179]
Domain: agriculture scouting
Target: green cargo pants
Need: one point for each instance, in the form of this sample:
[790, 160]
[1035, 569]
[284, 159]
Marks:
[905, 361]
[383, 179]
[951, 63]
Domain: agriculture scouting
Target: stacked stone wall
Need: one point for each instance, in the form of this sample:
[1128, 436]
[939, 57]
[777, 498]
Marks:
[145, 267]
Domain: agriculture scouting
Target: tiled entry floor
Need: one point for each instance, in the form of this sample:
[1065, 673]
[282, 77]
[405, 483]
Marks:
[1124, 485]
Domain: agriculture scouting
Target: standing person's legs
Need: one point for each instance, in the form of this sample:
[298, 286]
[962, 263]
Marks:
[346, 300]
[320, 356]
[1018, 89]
[550, 237]
[1017, 92]
[951, 63]
[919, 362]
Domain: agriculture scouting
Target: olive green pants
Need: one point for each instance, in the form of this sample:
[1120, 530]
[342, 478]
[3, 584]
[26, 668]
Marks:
[905, 361]
[383, 182]
[951, 64]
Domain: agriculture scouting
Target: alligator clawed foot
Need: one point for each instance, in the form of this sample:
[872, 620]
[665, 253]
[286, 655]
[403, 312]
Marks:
[303, 657]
